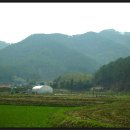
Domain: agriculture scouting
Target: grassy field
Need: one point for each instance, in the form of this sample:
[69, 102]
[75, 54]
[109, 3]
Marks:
[67, 110]
[27, 116]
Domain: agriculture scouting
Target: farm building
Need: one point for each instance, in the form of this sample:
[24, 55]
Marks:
[41, 89]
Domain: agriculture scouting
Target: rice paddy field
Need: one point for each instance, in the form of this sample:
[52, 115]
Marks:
[64, 111]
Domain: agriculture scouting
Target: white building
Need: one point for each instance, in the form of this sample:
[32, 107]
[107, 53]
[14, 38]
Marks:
[41, 89]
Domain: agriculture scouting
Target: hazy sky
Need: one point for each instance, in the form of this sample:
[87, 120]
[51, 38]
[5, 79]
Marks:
[19, 20]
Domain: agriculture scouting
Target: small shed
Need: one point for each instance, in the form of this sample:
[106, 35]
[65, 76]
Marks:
[42, 89]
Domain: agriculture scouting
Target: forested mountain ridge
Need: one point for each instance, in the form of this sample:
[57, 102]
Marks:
[3, 44]
[102, 49]
[47, 56]
[115, 75]
[40, 56]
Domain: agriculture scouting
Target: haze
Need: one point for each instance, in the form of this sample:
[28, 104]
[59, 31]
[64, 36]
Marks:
[19, 20]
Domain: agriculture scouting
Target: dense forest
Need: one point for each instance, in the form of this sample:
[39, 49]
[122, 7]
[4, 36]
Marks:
[115, 75]
[73, 81]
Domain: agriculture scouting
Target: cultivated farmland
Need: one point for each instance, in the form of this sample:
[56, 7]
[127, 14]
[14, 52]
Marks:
[64, 111]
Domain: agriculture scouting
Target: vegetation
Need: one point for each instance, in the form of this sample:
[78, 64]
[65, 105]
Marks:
[73, 82]
[47, 56]
[27, 116]
[114, 76]
[114, 115]
[84, 96]
[103, 111]
[57, 99]
[51, 58]
[3, 45]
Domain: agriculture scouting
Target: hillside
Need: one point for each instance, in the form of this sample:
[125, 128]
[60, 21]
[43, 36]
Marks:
[122, 38]
[3, 44]
[99, 47]
[47, 56]
[42, 56]
[115, 75]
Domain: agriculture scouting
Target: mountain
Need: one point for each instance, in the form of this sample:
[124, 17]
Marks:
[101, 47]
[47, 56]
[42, 56]
[115, 75]
[122, 38]
[3, 44]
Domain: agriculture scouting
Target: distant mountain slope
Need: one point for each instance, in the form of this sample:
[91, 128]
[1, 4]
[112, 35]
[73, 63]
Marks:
[43, 57]
[46, 56]
[100, 47]
[122, 38]
[3, 44]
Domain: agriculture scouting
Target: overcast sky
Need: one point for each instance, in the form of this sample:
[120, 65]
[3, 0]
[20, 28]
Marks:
[19, 20]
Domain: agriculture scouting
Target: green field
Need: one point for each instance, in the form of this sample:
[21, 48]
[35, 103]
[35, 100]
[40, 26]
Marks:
[77, 111]
[27, 116]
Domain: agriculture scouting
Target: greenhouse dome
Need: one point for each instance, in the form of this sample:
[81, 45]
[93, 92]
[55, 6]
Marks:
[41, 89]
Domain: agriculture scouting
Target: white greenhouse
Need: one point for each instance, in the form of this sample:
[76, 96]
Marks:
[42, 89]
